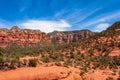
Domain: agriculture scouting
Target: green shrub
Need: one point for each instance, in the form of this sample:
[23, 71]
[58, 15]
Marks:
[67, 63]
[109, 78]
[116, 60]
[32, 62]
[46, 59]
[118, 78]
[83, 70]
[91, 52]
[56, 57]
[12, 66]
[1, 60]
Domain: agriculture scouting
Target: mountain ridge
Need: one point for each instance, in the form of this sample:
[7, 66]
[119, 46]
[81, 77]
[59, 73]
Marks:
[23, 36]
[70, 36]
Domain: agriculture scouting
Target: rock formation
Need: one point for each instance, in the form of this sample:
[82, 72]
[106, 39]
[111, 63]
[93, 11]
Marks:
[70, 36]
[21, 36]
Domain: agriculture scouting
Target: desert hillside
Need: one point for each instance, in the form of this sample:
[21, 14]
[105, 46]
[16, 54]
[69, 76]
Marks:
[90, 56]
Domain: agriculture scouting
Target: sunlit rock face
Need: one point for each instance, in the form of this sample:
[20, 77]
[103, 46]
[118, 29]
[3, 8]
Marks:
[21, 36]
[70, 36]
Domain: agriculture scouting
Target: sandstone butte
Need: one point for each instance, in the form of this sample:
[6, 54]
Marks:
[21, 36]
[70, 36]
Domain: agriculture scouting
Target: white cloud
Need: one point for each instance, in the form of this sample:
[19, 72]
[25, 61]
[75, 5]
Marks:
[4, 24]
[112, 15]
[45, 25]
[102, 19]
[101, 27]
[80, 15]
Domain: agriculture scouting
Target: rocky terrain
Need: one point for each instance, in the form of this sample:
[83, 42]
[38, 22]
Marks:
[70, 36]
[21, 36]
[96, 57]
[27, 36]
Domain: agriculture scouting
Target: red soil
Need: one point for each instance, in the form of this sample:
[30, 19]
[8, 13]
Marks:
[42, 73]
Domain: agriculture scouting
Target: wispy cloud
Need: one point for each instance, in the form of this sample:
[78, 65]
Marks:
[102, 18]
[22, 9]
[4, 24]
[24, 5]
[83, 17]
[60, 13]
[101, 27]
[75, 16]
[45, 25]
[111, 15]
[91, 15]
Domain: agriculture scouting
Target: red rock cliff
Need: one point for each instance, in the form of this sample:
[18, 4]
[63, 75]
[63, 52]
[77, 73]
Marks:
[21, 36]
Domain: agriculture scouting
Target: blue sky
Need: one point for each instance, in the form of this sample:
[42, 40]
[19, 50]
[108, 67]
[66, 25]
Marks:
[61, 15]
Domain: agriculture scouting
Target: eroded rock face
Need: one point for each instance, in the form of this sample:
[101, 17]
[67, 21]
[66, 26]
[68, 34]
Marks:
[21, 36]
[70, 36]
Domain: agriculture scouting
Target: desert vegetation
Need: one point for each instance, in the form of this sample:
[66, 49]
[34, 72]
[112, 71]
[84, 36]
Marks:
[85, 54]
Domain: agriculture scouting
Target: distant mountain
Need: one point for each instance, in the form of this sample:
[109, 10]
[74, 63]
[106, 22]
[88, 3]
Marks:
[70, 36]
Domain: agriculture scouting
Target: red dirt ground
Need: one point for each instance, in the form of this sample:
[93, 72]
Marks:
[42, 73]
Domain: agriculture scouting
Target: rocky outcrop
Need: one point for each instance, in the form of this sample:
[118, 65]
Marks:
[21, 36]
[70, 36]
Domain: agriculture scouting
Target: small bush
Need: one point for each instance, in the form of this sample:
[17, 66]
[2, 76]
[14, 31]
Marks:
[109, 78]
[1, 60]
[11, 66]
[83, 70]
[67, 63]
[46, 59]
[118, 78]
[32, 62]
[56, 57]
